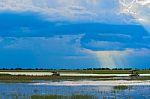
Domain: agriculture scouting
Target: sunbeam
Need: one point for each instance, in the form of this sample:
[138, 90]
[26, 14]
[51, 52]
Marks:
[111, 59]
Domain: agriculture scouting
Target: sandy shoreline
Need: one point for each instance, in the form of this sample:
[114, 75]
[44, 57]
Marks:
[95, 83]
[84, 82]
[65, 74]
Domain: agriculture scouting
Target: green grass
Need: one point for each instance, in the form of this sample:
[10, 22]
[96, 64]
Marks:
[83, 71]
[121, 87]
[63, 97]
[25, 79]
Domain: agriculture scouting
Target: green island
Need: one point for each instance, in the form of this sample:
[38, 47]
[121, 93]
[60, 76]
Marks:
[33, 78]
[83, 71]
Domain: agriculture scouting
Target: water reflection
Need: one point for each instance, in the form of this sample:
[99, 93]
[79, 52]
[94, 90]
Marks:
[29, 91]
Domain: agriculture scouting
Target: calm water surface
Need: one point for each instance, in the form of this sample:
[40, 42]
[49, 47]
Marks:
[31, 91]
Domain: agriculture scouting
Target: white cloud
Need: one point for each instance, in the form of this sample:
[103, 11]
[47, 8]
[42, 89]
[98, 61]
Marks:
[72, 10]
[104, 45]
[48, 7]
[143, 2]
[139, 9]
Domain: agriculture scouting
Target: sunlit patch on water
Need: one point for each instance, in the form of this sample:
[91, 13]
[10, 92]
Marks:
[93, 83]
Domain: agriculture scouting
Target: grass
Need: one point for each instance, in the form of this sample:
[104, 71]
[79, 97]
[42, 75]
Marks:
[6, 78]
[84, 71]
[63, 97]
[121, 87]
[26, 78]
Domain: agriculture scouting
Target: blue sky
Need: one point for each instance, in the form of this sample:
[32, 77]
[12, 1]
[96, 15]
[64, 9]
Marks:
[76, 34]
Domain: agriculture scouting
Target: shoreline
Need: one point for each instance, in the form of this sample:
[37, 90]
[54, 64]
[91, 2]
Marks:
[68, 74]
[17, 77]
[96, 83]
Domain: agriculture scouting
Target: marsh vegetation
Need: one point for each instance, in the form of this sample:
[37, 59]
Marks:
[32, 91]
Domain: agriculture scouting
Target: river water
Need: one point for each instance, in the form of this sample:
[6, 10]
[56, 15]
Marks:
[60, 90]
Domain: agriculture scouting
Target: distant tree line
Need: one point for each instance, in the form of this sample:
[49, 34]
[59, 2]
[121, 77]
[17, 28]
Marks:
[73, 69]
[25, 69]
[108, 69]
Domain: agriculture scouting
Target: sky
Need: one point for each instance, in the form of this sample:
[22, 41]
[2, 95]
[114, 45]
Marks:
[57, 34]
